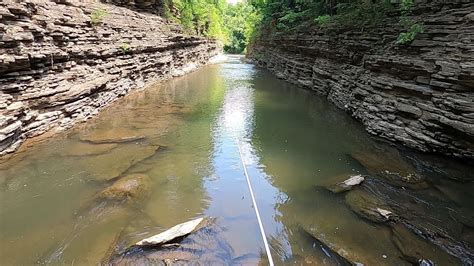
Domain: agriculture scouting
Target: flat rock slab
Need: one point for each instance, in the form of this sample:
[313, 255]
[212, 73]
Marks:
[368, 206]
[86, 149]
[116, 135]
[111, 165]
[172, 233]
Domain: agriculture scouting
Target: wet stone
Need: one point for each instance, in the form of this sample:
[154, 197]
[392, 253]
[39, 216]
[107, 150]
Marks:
[344, 182]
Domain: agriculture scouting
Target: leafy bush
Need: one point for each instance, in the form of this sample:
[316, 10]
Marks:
[291, 18]
[410, 35]
[361, 13]
[98, 16]
[322, 20]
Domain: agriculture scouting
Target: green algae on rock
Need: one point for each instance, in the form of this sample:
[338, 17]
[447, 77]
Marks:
[131, 187]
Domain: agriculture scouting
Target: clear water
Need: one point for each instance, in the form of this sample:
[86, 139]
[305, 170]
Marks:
[291, 140]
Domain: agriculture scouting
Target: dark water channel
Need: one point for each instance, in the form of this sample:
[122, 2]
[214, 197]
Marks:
[182, 135]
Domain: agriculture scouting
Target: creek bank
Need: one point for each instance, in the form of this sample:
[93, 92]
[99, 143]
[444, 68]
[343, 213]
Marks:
[420, 95]
[58, 66]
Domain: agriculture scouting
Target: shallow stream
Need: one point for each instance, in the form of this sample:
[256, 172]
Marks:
[183, 135]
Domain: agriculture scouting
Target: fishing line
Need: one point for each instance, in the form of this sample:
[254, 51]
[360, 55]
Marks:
[260, 224]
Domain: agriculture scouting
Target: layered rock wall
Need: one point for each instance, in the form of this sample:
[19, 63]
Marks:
[62, 61]
[420, 94]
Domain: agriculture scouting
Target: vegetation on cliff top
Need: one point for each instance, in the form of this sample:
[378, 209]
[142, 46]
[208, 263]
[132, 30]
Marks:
[232, 24]
[235, 24]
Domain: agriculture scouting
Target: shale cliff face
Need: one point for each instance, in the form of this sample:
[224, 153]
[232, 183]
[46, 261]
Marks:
[62, 61]
[420, 95]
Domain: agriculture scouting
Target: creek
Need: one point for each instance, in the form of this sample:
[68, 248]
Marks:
[182, 135]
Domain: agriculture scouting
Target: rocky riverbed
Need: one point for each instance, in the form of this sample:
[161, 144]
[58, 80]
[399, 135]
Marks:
[63, 61]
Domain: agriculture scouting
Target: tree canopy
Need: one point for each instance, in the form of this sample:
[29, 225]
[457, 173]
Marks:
[236, 24]
[231, 24]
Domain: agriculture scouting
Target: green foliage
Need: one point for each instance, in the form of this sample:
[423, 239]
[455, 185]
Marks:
[240, 20]
[361, 13]
[233, 25]
[411, 27]
[125, 47]
[409, 36]
[406, 5]
[97, 16]
[322, 20]
[279, 16]
[202, 17]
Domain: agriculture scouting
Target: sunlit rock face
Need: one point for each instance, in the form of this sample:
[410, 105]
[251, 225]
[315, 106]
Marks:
[419, 94]
[63, 61]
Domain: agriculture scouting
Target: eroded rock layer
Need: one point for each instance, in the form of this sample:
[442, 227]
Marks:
[420, 94]
[62, 61]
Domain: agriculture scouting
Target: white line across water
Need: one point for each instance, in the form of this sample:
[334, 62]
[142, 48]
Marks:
[260, 224]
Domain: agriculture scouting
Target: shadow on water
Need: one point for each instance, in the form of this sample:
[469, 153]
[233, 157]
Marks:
[167, 154]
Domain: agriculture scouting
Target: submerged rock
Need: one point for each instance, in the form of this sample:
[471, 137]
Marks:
[114, 135]
[205, 245]
[85, 149]
[331, 257]
[438, 222]
[131, 187]
[464, 216]
[343, 182]
[417, 250]
[391, 166]
[91, 234]
[111, 165]
[368, 206]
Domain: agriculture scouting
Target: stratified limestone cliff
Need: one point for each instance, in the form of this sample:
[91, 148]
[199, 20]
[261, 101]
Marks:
[57, 66]
[420, 95]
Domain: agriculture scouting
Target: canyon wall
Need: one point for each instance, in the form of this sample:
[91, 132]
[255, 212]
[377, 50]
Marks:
[419, 94]
[63, 61]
